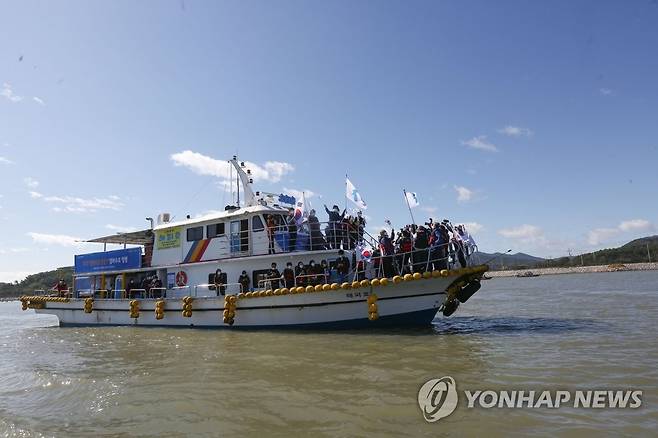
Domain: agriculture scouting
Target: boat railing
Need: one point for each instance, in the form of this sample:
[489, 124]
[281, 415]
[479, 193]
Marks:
[228, 288]
[304, 279]
[267, 283]
[417, 260]
[317, 236]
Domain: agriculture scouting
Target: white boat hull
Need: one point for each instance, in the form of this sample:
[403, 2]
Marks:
[408, 303]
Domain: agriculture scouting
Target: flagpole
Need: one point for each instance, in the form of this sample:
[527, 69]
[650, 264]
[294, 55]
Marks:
[413, 221]
[346, 191]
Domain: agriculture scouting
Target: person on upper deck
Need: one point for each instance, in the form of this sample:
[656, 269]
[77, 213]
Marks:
[274, 276]
[420, 254]
[317, 240]
[361, 225]
[271, 228]
[335, 230]
[405, 246]
[292, 229]
[387, 250]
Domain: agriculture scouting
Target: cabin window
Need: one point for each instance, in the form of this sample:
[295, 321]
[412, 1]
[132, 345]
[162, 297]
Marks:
[214, 230]
[195, 233]
[257, 224]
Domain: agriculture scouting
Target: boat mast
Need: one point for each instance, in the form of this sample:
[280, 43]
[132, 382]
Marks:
[245, 179]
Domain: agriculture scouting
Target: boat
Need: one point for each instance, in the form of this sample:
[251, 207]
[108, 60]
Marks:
[184, 255]
[527, 274]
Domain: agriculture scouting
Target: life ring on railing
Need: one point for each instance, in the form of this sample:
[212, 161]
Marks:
[181, 278]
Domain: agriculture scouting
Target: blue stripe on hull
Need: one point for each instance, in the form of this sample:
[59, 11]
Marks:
[411, 319]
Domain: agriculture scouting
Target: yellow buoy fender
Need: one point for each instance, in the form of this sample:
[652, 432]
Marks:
[397, 279]
[383, 282]
[326, 287]
[374, 282]
[427, 274]
[365, 283]
[408, 277]
[417, 276]
[335, 286]
[356, 285]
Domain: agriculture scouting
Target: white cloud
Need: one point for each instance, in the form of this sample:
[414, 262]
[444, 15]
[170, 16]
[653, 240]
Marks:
[636, 225]
[473, 227]
[480, 142]
[55, 239]
[463, 194]
[39, 101]
[200, 164]
[120, 229]
[12, 250]
[74, 204]
[598, 236]
[601, 235]
[525, 233]
[6, 160]
[515, 131]
[31, 182]
[428, 209]
[11, 276]
[8, 93]
[606, 91]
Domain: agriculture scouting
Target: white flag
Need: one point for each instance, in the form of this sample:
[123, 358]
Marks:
[412, 199]
[353, 195]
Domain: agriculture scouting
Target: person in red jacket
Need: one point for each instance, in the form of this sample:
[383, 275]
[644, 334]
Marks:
[61, 287]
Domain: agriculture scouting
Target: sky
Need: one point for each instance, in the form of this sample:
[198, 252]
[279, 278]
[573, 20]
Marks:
[535, 123]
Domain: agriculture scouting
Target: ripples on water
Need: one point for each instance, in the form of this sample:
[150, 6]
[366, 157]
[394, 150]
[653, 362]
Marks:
[559, 332]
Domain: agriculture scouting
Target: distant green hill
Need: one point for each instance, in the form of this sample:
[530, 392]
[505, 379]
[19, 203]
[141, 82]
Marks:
[42, 280]
[509, 261]
[634, 251]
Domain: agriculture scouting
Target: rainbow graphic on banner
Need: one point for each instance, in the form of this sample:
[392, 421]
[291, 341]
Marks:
[196, 251]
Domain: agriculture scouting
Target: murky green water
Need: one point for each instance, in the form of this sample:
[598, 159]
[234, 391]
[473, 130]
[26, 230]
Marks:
[595, 331]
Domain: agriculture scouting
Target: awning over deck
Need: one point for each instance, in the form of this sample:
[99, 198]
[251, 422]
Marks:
[133, 238]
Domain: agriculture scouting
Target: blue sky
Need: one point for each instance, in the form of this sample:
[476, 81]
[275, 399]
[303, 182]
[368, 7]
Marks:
[534, 121]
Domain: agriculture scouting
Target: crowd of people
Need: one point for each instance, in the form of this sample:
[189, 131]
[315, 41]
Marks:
[302, 274]
[413, 248]
[151, 285]
[341, 230]
[418, 248]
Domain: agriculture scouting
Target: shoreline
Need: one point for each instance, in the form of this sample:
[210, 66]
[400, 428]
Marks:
[578, 269]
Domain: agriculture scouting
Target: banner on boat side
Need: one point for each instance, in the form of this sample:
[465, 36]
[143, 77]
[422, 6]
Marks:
[120, 259]
[169, 238]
